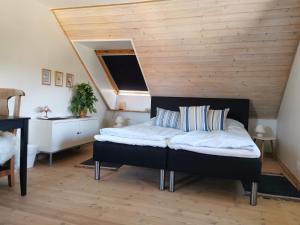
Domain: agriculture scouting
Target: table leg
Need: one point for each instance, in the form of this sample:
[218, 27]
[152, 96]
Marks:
[23, 158]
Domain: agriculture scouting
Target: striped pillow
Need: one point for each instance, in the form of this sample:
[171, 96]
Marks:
[194, 118]
[217, 119]
[167, 118]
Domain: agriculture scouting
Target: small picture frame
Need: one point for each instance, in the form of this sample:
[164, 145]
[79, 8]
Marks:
[59, 78]
[46, 77]
[69, 80]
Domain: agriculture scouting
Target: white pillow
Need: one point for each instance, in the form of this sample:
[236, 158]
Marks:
[217, 119]
[194, 118]
[167, 118]
[234, 123]
[150, 122]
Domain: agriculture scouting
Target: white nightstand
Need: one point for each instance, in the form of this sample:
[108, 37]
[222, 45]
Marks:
[262, 147]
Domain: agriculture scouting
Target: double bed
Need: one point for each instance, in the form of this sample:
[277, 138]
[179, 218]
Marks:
[232, 166]
[140, 145]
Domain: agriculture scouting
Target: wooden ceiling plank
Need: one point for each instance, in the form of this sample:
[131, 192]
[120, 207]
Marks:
[115, 52]
[226, 48]
[212, 8]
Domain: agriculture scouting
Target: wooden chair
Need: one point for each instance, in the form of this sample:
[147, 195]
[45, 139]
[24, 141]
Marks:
[5, 94]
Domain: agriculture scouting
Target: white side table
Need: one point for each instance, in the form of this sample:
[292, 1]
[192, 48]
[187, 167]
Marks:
[262, 147]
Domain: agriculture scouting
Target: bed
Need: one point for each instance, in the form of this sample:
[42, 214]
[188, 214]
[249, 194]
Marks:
[142, 145]
[232, 167]
[241, 168]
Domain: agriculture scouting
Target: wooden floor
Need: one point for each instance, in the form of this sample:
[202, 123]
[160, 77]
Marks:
[271, 165]
[65, 195]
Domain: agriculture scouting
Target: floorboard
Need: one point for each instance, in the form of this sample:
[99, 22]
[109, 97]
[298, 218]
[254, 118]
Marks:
[67, 195]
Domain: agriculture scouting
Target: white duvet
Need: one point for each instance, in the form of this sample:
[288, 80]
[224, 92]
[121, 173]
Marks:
[235, 141]
[8, 146]
[140, 134]
[131, 141]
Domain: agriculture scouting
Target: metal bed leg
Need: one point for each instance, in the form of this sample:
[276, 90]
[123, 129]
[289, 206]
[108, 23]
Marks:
[253, 196]
[50, 159]
[97, 170]
[162, 180]
[171, 185]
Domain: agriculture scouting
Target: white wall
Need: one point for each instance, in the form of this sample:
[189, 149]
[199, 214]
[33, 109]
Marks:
[137, 102]
[270, 126]
[289, 121]
[86, 50]
[31, 39]
[130, 118]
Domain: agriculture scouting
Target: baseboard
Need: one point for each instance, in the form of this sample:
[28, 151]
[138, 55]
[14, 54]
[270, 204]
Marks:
[290, 176]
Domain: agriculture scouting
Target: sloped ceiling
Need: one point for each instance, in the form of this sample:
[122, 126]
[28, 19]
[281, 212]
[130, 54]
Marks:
[202, 48]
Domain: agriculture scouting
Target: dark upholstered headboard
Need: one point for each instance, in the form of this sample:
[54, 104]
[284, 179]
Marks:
[239, 108]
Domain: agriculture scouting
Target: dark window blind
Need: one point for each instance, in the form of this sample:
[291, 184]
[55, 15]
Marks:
[126, 72]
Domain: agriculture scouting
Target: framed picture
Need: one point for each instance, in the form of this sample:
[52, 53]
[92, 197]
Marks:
[59, 78]
[46, 77]
[69, 80]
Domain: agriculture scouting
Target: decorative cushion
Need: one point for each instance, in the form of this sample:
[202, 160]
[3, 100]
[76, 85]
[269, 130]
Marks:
[167, 118]
[217, 119]
[194, 118]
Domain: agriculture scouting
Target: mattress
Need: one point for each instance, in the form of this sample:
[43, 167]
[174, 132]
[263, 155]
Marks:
[131, 141]
[145, 134]
[234, 142]
[241, 153]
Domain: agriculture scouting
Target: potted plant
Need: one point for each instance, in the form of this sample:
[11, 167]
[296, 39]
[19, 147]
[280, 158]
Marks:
[83, 100]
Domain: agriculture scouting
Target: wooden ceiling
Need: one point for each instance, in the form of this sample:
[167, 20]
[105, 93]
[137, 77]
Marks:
[202, 48]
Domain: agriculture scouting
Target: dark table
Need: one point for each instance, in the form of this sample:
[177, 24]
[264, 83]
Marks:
[11, 122]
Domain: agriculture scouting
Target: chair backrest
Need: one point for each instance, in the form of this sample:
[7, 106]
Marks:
[5, 95]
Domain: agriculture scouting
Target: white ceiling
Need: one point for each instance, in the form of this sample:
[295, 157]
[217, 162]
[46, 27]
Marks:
[107, 45]
[53, 4]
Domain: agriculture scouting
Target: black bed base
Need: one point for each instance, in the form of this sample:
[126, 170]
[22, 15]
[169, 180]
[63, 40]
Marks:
[248, 169]
[178, 161]
[214, 166]
[133, 155]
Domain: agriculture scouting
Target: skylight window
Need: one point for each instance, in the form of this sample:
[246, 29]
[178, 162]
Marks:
[126, 72]
[123, 70]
